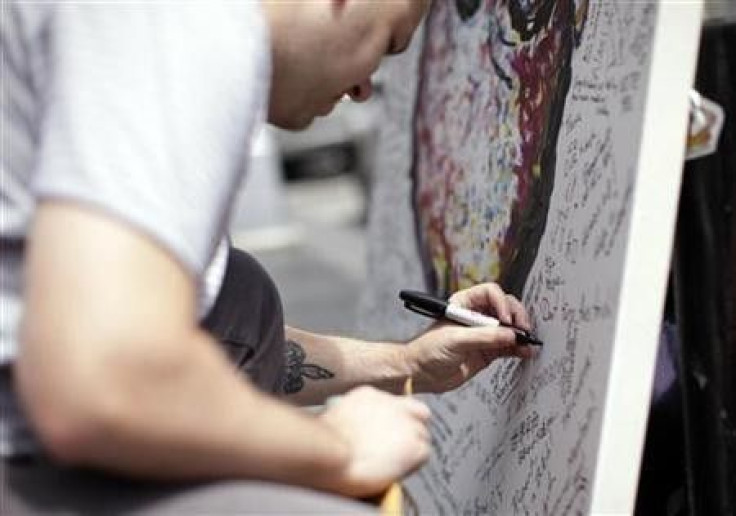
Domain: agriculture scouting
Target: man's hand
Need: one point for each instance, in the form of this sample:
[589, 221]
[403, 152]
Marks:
[386, 435]
[447, 355]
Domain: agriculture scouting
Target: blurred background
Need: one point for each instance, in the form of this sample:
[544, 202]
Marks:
[302, 211]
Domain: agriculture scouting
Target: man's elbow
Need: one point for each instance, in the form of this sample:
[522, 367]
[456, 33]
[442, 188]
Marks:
[70, 417]
[81, 401]
[68, 437]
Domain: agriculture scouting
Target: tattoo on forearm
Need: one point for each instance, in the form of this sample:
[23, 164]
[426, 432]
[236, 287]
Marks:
[297, 370]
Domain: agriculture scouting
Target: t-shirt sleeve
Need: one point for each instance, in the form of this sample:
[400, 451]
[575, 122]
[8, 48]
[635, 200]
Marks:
[148, 111]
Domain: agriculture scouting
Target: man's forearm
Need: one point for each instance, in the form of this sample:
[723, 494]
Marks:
[113, 372]
[184, 413]
[319, 366]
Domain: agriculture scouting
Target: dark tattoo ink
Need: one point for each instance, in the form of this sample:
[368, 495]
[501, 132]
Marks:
[297, 370]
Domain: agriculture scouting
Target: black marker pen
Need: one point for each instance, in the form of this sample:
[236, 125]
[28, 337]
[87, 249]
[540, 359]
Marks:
[437, 308]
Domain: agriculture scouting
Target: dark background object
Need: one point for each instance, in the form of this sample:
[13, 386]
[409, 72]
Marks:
[705, 292]
[689, 461]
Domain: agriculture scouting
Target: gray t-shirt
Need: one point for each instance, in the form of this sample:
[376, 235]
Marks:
[143, 111]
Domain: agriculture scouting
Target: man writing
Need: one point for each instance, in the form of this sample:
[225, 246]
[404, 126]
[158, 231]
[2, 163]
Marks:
[125, 128]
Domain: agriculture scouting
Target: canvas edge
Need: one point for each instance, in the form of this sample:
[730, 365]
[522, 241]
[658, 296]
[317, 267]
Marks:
[647, 259]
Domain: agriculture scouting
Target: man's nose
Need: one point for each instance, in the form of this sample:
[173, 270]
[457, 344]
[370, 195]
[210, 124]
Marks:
[362, 91]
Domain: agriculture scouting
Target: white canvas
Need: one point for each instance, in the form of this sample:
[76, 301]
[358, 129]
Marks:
[541, 149]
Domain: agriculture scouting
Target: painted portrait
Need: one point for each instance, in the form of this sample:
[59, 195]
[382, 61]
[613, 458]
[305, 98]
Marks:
[494, 78]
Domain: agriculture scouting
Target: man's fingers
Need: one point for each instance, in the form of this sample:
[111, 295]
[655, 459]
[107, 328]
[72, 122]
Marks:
[480, 338]
[420, 414]
[489, 356]
[492, 341]
[422, 432]
[525, 351]
[519, 315]
[484, 295]
[417, 409]
[486, 298]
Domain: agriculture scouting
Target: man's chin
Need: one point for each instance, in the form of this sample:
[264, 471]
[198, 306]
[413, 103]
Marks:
[294, 123]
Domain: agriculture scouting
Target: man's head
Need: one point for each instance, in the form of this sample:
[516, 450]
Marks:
[325, 49]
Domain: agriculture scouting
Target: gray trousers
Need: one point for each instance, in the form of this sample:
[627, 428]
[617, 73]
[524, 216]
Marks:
[247, 319]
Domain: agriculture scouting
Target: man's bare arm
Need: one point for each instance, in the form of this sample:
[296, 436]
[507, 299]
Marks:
[115, 373]
[319, 366]
[440, 359]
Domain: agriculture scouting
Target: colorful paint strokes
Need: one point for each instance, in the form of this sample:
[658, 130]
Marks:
[495, 76]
